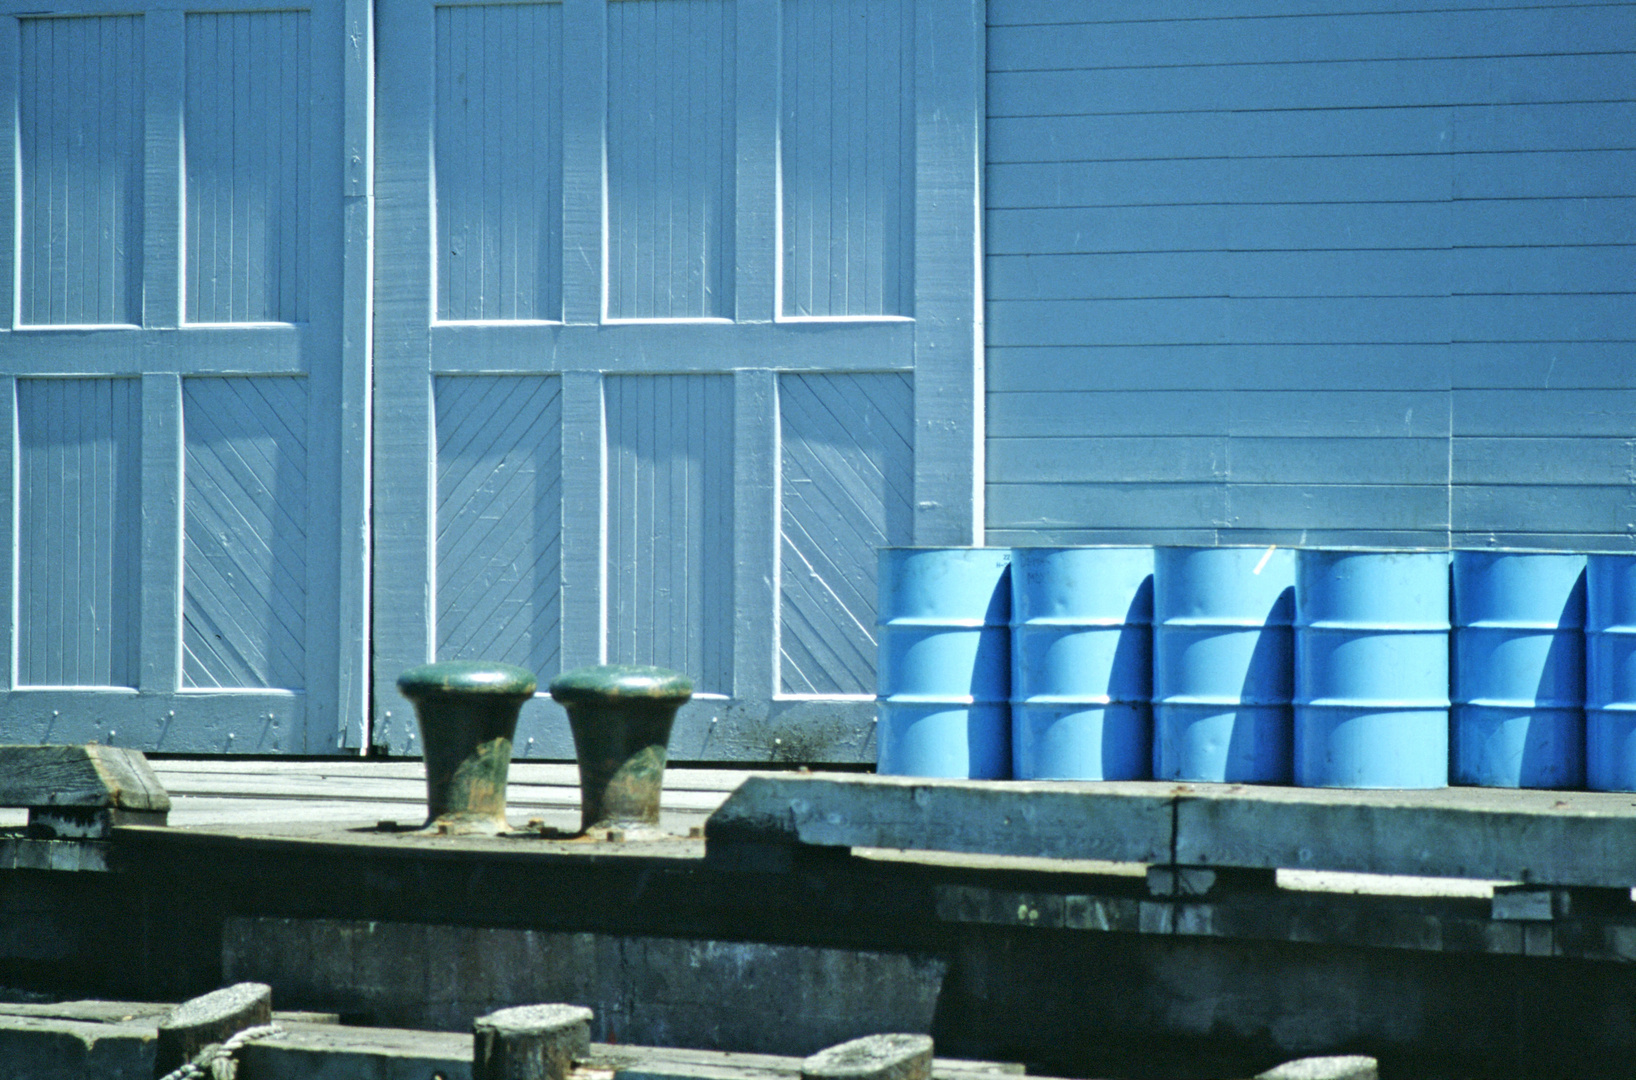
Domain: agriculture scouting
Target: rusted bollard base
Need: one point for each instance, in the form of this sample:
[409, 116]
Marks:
[467, 711]
[621, 716]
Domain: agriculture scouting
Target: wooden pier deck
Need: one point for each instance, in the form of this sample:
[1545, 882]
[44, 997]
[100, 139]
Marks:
[228, 792]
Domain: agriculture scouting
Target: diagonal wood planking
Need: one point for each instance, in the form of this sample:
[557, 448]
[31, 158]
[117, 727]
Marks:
[847, 472]
[499, 519]
[244, 592]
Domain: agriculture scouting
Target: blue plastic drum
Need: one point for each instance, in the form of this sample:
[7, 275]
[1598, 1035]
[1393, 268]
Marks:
[1610, 673]
[944, 672]
[1223, 667]
[1372, 669]
[1082, 663]
[1519, 670]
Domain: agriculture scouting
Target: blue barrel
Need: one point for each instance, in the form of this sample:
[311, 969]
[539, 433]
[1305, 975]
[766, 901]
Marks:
[1610, 673]
[1372, 669]
[1223, 666]
[1519, 670]
[944, 674]
[1081, 663]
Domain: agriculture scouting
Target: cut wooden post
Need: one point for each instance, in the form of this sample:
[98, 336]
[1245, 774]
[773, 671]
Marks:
[213, 1018]
[873, 1057]
[1351, 1067]
[530, 1042]
[81, 791]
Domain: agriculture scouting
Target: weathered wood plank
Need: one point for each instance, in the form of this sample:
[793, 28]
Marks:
[1550, 837]
[87, 776]
[1054, 820]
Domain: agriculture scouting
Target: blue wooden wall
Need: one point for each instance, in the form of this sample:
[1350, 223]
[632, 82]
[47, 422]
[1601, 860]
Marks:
[1262, 271]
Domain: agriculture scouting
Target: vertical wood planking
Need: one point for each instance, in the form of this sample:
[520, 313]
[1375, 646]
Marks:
[357, 373]
[755, 128]
[948, 398]
[162, 113]
[10, 87]
[249, 166]
[585, 105]
[671, 158]
[848, 143]
[499, 162]
[244, 566]
[80, 132]
[755, 529]
[847, 456]
[162, 455]
[80, 444]
[499, 520]
[584, 592]
[8, 523]
[670, 505]
[404, 484]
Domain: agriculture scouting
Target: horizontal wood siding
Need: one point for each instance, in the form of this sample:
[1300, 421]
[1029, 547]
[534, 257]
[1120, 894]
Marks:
[1338, 274]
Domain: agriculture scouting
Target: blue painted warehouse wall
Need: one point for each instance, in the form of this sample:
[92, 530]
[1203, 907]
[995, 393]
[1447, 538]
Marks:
[1324, 273]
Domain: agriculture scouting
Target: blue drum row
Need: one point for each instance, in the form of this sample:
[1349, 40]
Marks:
[1323, 668]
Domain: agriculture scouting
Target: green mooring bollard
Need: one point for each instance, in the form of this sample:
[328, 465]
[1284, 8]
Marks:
[621, 716]
[467, 711]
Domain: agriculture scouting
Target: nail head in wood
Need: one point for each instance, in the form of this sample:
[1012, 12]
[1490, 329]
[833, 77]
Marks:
[1349, 1067]
[530, 1042]
[874, 1057]
[212, 1018]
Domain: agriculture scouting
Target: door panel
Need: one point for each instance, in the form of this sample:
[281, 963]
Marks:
[670, 139]
[670, 525]
[499, 512]
[244, 564]
[764, 362]
[845, 483]
[79, 501]
[848, 141]
[80, 146]
[177, 402]
[498, 116]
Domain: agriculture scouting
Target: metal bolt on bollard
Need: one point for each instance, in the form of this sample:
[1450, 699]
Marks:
[467, 712]
[621, 715]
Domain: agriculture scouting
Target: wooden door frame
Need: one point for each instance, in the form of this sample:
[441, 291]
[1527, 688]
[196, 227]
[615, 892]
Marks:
[944, 340]
[159, 713]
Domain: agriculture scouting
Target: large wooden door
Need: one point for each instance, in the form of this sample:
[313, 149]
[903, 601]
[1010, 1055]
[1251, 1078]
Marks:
[675, 324]
[183, 374]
